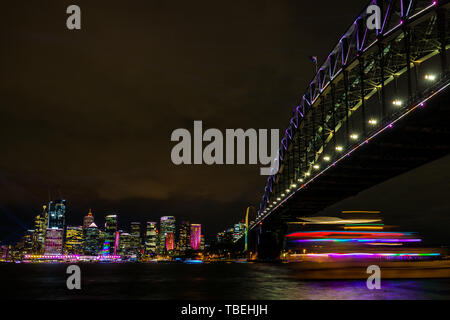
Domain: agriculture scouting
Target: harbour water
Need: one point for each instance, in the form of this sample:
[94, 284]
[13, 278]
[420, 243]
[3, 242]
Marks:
[219, 281]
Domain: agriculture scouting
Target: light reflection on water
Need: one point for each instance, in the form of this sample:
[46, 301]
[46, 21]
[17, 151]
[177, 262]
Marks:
[207, 281]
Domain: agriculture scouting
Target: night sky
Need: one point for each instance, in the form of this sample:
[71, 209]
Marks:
[87, 115]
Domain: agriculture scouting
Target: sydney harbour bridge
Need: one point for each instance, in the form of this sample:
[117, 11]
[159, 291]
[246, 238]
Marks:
[377, 107]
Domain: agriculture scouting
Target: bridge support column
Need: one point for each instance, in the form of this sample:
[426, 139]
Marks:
[270, 241]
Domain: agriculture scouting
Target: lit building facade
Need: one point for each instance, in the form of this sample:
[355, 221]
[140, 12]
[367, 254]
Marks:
[167, 225]
[74, 240]
[238, 231]
[184, 241]
[196, 231]
[151, 238]
[110, 231]
[126, 244]
[54, 241]
[92, 240]
[88, 220]
[136, 237]
[170, 241]
[40, 227]
[202, 242]
[57, 214]
[54, 233]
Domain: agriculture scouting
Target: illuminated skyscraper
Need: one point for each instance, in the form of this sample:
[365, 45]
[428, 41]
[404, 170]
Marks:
[170, 241]
[57, 214]
[167, 225]
[74, 240]
[150, 238]
[54, 241]
[54, 234]
[136, 237]
[196, 231]
[238, 232]
[126, 244]
[92, 240]
[110, 231]
[202, 242]
[106, 248]
[3, 252]
[88, 220]
[185, 236]
[40, 226]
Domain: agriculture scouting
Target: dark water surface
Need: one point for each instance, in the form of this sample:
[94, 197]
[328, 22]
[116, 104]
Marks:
[202, 282]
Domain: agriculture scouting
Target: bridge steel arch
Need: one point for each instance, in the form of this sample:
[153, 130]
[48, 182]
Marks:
[370, 79]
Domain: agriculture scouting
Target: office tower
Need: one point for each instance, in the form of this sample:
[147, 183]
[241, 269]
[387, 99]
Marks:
[202, 242]
[92, 240]
[88, 220]
[136, 237]
[126, 244]
[167, 225]
[158, 242]
[28, 242]
[74, 240]
[106, 248]
[57, 214]
[196, 231]
[116, 243]
[238, 232]
[184, 242]
[110, 231]
[150, 238]
[40, 226]
[3, 252]
[54, 235]
[54, 241]
[170, 241]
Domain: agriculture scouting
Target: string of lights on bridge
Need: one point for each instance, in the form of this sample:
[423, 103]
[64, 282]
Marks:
[294, 188]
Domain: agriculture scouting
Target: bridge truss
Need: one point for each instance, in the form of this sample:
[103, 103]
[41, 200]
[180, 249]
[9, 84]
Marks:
[371, 79]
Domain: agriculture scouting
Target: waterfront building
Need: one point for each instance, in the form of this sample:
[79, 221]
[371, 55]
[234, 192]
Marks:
[74, 240]
[196, 231]
[167, 225]
[88, 220]
[238, 231]
[126, 244]
[184, 242]
[54, 241]
[110, 231]
[170, 241]
[3, 252]
[40, 226]
[92, 240]
[202, 243]
[151, 238]
[57, 214]
[106, 248]
[135, 237]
